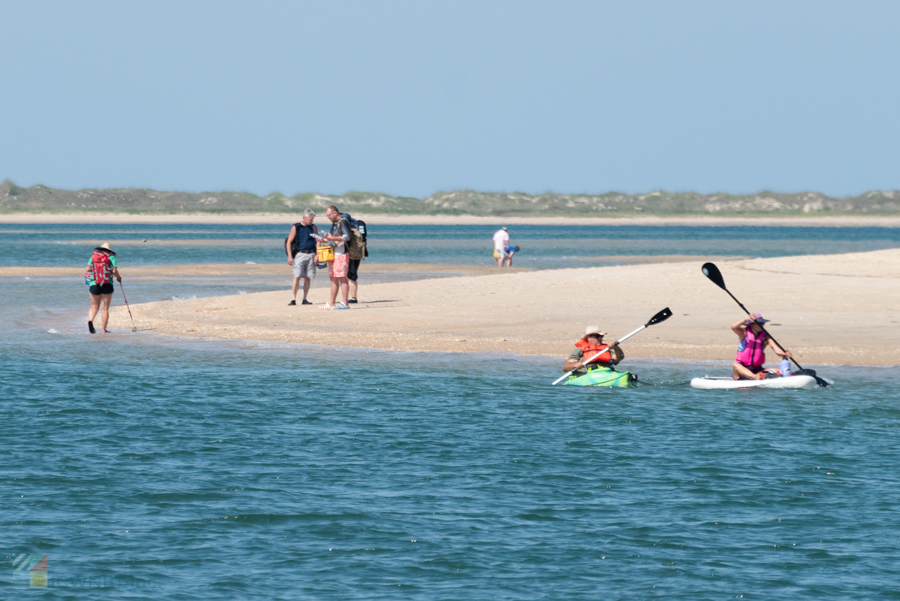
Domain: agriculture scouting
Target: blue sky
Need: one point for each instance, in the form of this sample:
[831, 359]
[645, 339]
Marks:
[411, 98]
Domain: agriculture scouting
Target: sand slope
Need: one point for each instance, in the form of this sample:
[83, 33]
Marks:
[832, 309]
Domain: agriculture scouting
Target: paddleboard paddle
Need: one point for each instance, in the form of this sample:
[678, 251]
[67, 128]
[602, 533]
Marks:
[658, 318]
[122, 288]
[715, 276]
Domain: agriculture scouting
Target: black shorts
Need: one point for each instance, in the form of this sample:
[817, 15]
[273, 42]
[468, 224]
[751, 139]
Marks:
[353, 269]
[106, 288]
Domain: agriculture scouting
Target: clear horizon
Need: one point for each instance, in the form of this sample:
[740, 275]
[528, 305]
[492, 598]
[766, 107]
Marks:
[410, 99]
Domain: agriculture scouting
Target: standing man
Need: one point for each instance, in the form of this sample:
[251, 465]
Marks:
[356, 250]
[501, 241]
[337, 269]
[300, 247]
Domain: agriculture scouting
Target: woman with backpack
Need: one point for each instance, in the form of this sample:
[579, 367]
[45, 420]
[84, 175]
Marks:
[100, 271]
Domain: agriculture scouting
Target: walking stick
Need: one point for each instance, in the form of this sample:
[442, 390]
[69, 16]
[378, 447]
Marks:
[122, 288]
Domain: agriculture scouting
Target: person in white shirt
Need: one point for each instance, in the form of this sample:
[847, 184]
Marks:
[501, 242]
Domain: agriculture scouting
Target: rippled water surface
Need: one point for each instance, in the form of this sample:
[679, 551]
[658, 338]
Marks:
[542, 247]
[154, 469]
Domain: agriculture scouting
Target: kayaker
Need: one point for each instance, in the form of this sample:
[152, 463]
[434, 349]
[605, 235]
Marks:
[590, 345]
[751, 354]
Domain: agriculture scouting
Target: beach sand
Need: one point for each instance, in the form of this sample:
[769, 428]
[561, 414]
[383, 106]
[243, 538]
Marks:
[828, 309]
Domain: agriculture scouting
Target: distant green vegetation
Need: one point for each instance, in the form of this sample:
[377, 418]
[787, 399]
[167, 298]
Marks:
[41, 199]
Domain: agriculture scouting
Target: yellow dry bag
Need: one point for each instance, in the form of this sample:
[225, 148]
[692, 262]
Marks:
[325, 254]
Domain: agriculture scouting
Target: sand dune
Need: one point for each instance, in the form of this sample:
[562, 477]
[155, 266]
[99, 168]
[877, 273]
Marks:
[828, 309]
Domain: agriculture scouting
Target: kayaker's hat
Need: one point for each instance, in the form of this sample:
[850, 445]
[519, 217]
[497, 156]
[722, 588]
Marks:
[759, 319]
[105, 246]
[593, 330]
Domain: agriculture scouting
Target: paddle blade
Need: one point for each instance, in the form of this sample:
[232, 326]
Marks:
[659, 317]
[713, 273]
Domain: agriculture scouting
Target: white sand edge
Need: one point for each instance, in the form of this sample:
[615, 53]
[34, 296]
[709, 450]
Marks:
[828, 309]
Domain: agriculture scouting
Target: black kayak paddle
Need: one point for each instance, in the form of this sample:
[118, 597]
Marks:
[715, 276]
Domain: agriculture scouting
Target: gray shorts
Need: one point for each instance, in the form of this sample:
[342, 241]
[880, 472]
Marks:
[305, 265]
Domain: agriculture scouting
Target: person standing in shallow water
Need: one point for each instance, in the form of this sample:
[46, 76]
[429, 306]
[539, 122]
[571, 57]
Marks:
[100, 271]
[501, 242]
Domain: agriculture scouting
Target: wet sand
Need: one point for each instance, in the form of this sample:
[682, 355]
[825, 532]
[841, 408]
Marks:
[389, 219]
[828, 309]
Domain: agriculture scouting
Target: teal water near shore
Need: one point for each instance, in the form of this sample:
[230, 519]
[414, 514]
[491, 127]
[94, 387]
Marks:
[543, 247]
[163, 469]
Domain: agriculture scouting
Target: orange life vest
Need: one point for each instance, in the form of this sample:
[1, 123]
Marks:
[588, 350]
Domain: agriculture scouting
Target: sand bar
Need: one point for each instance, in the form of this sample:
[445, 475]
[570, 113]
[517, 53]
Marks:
[388, 219]
[828, 309]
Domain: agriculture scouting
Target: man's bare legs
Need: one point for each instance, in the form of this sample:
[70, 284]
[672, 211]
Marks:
[344, 286]
[296, 287]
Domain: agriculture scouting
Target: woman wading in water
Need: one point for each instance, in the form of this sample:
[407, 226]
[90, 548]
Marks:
[100, 271]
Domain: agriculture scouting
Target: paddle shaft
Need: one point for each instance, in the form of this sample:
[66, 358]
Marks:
[122, 288]
[584, 363]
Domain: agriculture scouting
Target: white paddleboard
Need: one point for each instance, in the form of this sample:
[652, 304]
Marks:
[708, 383]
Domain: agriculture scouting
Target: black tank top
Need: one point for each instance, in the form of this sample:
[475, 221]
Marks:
[304, 240]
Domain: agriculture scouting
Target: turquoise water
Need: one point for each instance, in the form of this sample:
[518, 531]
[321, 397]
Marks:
[155, 469]
[541, 246]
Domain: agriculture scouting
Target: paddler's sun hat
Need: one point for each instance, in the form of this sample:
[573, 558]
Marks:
[759, 318]
[593, 330]
[105, 246]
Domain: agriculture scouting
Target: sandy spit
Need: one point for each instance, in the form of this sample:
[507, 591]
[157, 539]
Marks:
[828, 309]
[279, 218]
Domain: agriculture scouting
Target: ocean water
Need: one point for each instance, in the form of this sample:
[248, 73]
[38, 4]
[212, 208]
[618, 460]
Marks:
[542, 247]
[155, 469]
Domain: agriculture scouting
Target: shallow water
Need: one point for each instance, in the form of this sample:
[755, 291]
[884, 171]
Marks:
[223, 472]
[542, 247]
[194, 470]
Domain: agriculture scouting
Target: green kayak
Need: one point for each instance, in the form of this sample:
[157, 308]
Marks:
[603, 376]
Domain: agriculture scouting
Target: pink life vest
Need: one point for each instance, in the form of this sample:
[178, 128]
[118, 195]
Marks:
[752, 349]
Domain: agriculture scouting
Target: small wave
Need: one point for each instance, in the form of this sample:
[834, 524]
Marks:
[52, 331]
[249, 262]
[178, 298]
[242, 292]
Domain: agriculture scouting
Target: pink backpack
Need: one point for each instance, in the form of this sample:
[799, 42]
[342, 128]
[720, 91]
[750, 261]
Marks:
[100, 268]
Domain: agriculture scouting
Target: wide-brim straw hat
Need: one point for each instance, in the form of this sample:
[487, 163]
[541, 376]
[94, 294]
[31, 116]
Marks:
[105, 246]
[593, 330]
